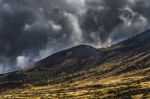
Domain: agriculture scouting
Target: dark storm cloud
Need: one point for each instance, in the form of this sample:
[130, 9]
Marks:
[113, 20]
[33, 29]
[104, 19]
[13, 38]
[140, 6]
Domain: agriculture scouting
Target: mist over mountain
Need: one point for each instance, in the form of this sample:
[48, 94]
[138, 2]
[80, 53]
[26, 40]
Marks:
[33, 29]
[121, 71]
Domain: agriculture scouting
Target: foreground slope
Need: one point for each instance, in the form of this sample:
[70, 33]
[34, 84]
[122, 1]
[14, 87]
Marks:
[121, 71]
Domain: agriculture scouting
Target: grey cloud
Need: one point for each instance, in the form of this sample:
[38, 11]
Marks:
[32, 29]
[106, 22]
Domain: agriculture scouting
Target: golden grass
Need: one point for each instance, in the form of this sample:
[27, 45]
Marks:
[111, 87]
[94, 83]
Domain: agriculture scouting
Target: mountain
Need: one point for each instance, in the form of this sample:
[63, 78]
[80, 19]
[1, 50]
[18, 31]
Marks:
[121, 71]
[139, 41]
[69, 60]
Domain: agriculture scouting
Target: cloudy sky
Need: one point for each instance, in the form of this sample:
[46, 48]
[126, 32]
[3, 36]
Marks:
[33, 29]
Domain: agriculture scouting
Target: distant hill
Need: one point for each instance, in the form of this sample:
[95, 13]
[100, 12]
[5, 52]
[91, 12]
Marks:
[138, 41]
[121, 71]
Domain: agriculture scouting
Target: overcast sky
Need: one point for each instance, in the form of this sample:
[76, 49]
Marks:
[33, 29]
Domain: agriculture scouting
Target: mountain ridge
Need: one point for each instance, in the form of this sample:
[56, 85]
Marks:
[120, 71]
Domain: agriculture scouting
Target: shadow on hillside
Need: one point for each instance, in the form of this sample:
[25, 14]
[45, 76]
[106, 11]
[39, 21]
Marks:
[9, 85]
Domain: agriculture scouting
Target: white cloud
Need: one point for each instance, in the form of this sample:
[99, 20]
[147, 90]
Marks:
[76, 30]
[78, 5]
[22, 61]
[54, 26]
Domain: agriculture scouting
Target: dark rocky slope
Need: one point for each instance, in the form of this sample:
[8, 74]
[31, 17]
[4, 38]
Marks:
[127, 56]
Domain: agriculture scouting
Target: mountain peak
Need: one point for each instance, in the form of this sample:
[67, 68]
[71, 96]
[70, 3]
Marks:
[73, 58]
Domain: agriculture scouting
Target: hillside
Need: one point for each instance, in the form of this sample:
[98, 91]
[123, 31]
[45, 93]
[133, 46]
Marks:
[121, 71]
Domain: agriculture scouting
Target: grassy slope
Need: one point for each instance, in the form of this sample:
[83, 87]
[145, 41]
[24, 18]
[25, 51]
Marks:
[121, 76]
